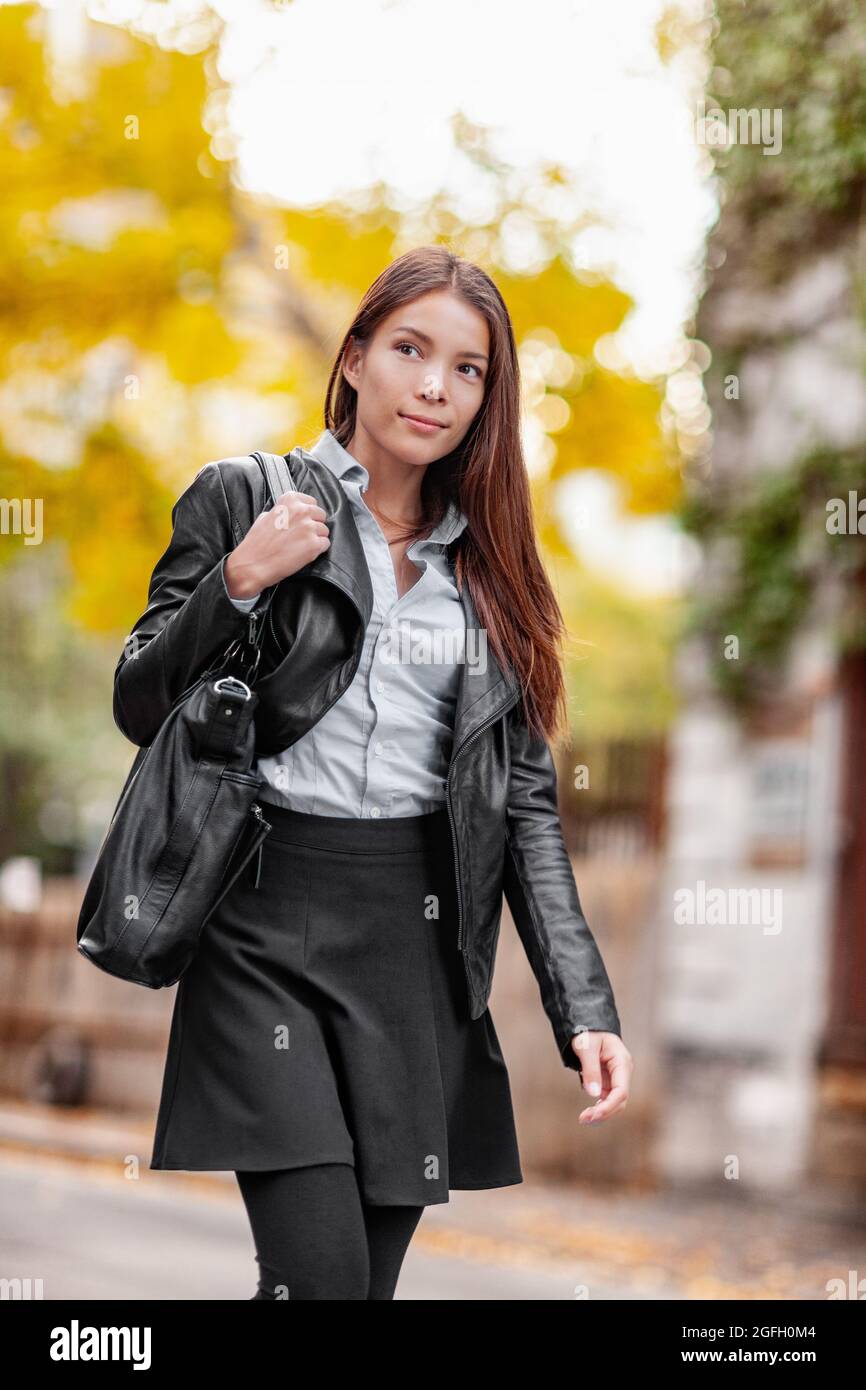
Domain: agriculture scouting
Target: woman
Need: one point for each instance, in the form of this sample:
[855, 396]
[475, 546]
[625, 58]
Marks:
[331, 1042]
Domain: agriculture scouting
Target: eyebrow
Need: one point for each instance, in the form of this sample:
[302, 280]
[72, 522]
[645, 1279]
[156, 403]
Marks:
[425, 338]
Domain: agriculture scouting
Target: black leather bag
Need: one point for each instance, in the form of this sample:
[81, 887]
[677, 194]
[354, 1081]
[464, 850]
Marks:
[188, 821]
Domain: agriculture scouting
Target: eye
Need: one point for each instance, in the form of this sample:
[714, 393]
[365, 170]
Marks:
[479, 375]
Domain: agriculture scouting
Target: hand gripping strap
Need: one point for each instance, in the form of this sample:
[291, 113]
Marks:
[278, 479]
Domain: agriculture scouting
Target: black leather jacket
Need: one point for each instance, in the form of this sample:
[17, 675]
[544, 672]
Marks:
[501, 785]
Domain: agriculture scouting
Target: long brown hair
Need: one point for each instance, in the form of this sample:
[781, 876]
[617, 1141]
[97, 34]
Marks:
[497, 552]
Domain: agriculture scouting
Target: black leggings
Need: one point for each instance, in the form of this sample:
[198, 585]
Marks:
[315, 1237]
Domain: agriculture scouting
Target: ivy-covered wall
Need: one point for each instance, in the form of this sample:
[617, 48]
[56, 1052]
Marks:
[769, 535]
[783, 535]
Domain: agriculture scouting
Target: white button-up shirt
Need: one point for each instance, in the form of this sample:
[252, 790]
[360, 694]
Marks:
[384, 748]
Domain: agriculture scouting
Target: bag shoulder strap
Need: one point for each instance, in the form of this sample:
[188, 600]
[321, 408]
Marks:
[278, 477]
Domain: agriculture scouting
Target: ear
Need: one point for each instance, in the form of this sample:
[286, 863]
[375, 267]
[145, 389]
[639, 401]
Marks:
[350, 364]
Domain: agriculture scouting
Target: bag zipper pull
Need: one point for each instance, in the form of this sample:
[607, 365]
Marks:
[257, 812]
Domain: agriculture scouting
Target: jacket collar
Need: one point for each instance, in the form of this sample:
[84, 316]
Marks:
[484, 687]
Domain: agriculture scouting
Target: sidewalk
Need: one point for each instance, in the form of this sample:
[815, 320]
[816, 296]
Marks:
[628, 1245]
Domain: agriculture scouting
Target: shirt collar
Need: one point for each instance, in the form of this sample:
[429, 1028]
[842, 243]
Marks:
[328, 450]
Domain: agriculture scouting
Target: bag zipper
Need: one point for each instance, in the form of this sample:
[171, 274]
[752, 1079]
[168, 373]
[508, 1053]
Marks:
[260, 836]
[265, 829]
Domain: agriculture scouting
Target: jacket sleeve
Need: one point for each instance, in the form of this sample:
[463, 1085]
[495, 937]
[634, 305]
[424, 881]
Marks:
[189, 618]
[542, 896]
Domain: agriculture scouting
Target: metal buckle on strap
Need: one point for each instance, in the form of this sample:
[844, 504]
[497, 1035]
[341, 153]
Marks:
[238, 686]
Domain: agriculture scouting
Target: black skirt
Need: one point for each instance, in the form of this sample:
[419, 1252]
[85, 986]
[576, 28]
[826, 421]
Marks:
[325, 1019]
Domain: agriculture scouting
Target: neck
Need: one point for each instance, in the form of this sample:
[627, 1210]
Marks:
[395, 485]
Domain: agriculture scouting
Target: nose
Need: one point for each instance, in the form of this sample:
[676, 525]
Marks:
[432, 386]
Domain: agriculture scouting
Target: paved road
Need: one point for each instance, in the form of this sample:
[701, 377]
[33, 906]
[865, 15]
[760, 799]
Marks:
[91, 1235]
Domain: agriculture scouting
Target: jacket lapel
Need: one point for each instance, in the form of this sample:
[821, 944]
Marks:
[484, 687]
[344, 562]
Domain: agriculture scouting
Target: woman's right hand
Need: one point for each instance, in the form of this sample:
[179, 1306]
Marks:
[279, 543]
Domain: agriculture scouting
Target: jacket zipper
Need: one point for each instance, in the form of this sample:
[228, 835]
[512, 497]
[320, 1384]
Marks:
[490, 720]
[252, 621]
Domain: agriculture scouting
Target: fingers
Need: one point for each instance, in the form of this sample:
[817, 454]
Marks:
[587, 1046]
[300, 503]
[617, 1099]
[297, 512]
[606, 1066]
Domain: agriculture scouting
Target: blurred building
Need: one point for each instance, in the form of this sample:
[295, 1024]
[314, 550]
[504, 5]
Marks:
[762, 1001]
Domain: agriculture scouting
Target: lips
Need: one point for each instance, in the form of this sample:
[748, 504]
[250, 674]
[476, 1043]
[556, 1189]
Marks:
[422, 420]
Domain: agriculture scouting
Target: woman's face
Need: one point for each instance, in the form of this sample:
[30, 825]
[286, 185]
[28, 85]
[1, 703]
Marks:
[427, 360]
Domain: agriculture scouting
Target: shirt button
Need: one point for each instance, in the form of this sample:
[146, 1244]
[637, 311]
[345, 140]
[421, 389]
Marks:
[375, 811]
[380, 748]
[380, 686]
